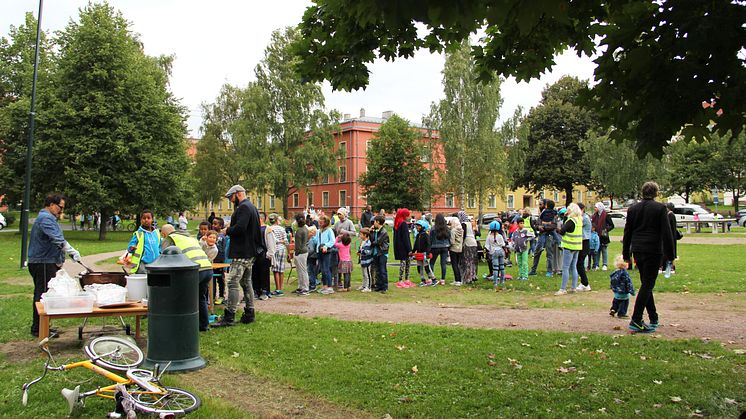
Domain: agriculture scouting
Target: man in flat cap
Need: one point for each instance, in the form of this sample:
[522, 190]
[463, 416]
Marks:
[245, 245]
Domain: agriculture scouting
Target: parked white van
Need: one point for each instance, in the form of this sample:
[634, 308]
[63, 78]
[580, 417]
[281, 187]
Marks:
[685, 212]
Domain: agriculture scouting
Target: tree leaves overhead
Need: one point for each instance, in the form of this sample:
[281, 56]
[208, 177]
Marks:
[657, 61]
[396, 176]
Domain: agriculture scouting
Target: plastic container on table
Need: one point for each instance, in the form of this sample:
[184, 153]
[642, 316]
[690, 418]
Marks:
[137, 287]
[81, 303]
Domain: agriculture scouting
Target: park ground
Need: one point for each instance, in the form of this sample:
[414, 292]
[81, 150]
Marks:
[438, 352]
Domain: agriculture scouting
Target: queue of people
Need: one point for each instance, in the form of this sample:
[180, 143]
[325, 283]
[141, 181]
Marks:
[322, 248]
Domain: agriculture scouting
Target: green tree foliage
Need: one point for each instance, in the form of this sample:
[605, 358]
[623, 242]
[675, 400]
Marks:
[16, 75]
[615, 169]
[300, 132]
[729, 165]
[514, 137]
[396, 176]
[687, 168]
[556, 129]
[113, 136]
[655, 63]
[466, 120]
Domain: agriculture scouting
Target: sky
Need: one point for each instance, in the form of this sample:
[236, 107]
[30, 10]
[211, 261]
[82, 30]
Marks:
[222, 41]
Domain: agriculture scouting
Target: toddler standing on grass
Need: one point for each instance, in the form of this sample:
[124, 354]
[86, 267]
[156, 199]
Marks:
[366, 259]
[345, 261]
[421, 253]
[520, 238]
[495, 245]
[622, 286]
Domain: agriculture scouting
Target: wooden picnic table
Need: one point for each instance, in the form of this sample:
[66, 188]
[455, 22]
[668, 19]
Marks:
[135, 309]
[720, 222]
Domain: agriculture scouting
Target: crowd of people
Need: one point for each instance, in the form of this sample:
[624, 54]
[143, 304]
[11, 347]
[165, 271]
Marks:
[324, 250]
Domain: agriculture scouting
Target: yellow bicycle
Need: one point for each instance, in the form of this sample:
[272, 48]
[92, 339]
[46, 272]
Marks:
[140, 391]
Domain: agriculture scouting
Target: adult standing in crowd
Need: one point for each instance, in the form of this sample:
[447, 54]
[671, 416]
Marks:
[584, 284]
[301, 254]
[440, 241]
[647, 238]
[183, 222]
[46, 251]
[456, 250]
[262, 264]
[572, 243]
[366, 218]
[343, 225]
[676, 236]
[402, 247]
[603, 224]
[245, 245]
[469, 257]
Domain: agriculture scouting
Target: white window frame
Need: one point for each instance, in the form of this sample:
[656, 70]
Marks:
[271, 202]
[309, 199]
[342, 202]
[449, 200]
[510, 201]
[296, 200]
[324, 199]
[343, 147]
[492, 201]
[471, 201]
[343, 175]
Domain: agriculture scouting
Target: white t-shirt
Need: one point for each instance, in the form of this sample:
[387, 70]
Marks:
[183, 223]
[3, 224]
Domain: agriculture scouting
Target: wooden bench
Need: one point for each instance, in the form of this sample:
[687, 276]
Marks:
[138, 310]
[720, 222]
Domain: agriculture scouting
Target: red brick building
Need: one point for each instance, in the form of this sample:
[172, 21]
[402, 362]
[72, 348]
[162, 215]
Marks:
[344, 189]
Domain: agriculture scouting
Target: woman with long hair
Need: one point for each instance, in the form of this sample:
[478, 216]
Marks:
[440, 241]
[402, 247]
[456, 249]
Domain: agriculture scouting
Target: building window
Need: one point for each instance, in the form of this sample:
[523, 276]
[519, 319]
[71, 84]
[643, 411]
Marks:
[492, 201]
[556, 197]
[580, 196]
[310, 199]
[342, 198]
[589, 194]
[342, 151]
[271, 202]
[325, 179]
[471, 201]
[220, 204]
[325, 199]
[342, 173]
[449, 200]
[259, 201]
[296, 200]
[511, 201]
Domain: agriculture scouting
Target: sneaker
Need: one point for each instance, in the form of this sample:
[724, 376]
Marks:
[623, 316]
[532, 273]
[588, 288]
[360, 288]
[278, 293]
[456, 283]
[304, 293]
[263, 297]
[409, 284]
[605, 268]
[641, 327]
[560, 292]
[548, 275]
[434, 283]
[484, 276]
[442, 282]
[218, 301]
[268, 294]
[612, 312]
[365, 290]
[424, 283]
[400, 284]
[595, 268]
[654, 325]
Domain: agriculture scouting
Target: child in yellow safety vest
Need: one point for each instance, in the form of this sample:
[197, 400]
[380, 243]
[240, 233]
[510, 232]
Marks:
[144, 247]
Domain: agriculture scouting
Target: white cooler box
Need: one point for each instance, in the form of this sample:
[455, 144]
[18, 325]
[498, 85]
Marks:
[81, 303]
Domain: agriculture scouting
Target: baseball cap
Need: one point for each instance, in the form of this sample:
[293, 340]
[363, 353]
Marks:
[234, 189]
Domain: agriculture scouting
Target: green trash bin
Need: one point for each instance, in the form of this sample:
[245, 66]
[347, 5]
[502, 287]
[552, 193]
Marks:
[173, 312]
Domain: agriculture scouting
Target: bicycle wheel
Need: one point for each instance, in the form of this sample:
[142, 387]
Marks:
[174, 401]
[115, 353]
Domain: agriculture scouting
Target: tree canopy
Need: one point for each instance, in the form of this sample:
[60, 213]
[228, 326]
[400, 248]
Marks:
[465, 119]
[396, 176]
[657, 61]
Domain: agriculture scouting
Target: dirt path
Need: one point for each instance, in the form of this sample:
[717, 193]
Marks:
[706, 316]
[715, 239]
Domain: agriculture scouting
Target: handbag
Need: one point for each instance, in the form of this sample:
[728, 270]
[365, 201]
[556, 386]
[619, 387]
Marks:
[419, 256]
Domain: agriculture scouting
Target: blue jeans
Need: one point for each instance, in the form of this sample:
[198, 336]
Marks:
[541, 244]
[498, 266]
[569, 262]
[620, 306]
[313, 272]
[204, 282]
[382, 277]
[441, 252]
[604, 250]
[325, 267]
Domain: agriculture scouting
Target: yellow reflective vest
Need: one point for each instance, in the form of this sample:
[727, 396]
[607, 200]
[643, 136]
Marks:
[190, 247]
[136, 256]
[573, 240]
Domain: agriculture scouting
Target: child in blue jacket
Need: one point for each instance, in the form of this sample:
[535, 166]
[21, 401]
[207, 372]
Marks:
[621, 285]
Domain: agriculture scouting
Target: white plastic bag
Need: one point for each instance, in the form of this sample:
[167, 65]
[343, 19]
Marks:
[64, 285]
[107, 293]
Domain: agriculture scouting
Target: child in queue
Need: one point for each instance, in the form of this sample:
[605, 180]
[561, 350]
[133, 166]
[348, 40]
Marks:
[520, 239]
[379, 242]
[218, 224]
[345, 261]
[366, 260]
[421, 251]
[276, 239]
[324, 248]
[621, 285]
[312, 259]
[145, 245]
[495, 245]
[209, 244]
[203, 228]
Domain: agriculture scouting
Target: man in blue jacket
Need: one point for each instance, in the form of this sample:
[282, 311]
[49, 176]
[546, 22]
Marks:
[46, 250]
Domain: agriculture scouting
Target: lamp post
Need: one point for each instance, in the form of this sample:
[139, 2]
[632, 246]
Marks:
[29, 145]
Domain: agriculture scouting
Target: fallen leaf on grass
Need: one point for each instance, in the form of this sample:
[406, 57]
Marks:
[676, 399]
[405, 399]
[491, 363]
[583, 337]
[414, 369]
[602, 410]
[618, 401]
[730, 401]
[617, 327]
[335, 340]
[525, 344]
[614, 343]
[235, 354]
[643, 358]
[514, 363]
[739, 351]
[657, 405]
[697, 414]
[491, 356]
[561, 345]
[658, 382]
[566, 370]
[569, 361]
[401, 347]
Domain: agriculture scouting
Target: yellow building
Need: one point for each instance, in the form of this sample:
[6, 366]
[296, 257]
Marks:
[518, 199]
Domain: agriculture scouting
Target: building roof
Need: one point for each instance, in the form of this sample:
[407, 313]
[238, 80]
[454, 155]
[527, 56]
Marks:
[377, 120]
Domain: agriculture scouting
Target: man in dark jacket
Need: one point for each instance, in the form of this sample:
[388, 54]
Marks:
[245, 245]
[647, 236]
[366, 219]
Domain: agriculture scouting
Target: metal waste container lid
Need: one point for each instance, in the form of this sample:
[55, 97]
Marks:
[171, 259]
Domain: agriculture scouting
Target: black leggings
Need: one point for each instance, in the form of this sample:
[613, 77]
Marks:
[455, 263]
[581, 259]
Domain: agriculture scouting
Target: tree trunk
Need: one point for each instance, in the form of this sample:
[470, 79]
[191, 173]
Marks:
[103, 217]
[611, 202]
[736, 195]
[568, 195]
